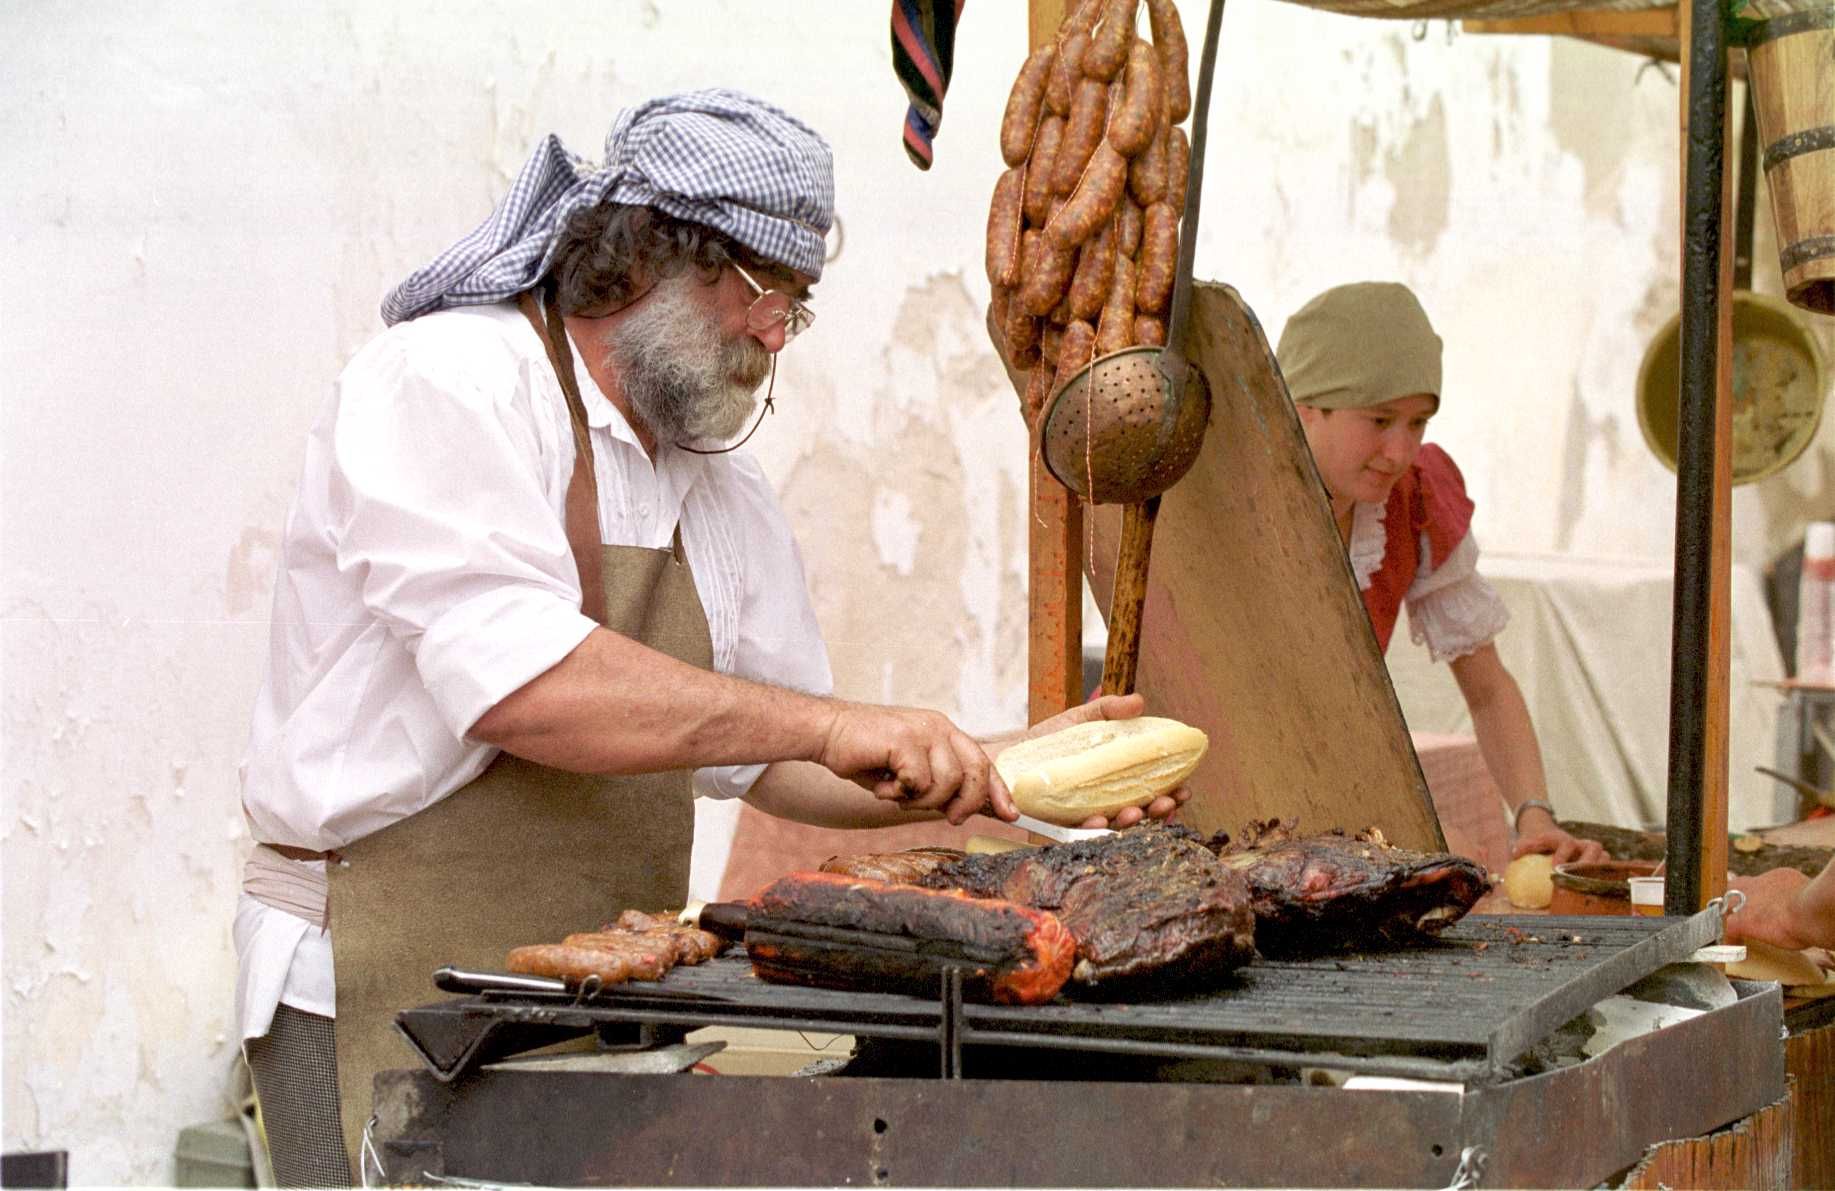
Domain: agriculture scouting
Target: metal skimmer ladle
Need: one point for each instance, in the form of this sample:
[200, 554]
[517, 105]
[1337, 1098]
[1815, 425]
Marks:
[1126, 427]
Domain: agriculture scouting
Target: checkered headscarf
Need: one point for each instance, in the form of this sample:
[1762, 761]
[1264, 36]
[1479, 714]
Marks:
[719, 158]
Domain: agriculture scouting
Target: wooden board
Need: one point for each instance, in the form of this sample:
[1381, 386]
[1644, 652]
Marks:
[1253, 628]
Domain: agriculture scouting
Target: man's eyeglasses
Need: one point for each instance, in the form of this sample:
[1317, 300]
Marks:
[771, 307]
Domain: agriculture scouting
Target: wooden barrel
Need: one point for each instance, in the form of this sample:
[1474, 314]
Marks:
[1790, 66]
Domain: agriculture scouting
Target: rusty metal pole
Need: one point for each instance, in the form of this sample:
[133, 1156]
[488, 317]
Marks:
[1700, 639]
[1054, 536]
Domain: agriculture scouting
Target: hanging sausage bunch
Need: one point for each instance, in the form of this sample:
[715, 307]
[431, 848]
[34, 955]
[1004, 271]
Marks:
[1083, 233]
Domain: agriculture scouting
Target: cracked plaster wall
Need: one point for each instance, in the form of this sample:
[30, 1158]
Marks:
[204, 202]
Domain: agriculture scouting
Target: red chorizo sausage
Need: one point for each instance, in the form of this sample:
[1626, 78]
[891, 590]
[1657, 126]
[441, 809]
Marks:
[1066, 69]
[1136, 117]
[1022, 336]
[1089, 108]
[1128, 228]
[1149, 331]
[1038, 191]
[1022, 115]
[1169, 43]
[1178, 165]
[1044, 273]
[1158, 259]
[1089, 285]
[1075, 352]
[1147, 172]
[1110, 41]
[1094, 202]
[1004, 226]
[1049, 340]
[1081, 16]
[1115, 330]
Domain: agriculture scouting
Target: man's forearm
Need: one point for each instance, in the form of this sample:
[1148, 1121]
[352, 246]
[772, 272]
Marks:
[807, 793]
[614, 705]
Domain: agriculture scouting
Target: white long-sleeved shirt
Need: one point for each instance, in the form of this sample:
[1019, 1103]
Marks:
[425, 574]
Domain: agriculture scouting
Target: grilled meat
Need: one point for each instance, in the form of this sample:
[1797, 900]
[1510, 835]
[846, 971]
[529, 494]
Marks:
[853, 933]
[1327, 892]
[904, 868]
[636, 946]
[1151, 909]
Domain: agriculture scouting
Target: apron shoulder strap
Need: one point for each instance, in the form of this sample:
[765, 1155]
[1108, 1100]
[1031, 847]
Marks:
[582, 510]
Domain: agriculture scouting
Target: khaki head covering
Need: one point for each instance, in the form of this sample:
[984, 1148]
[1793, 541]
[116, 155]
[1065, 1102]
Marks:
[1358, 345]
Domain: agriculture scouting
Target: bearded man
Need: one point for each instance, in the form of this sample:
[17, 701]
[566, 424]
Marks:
[527, 609]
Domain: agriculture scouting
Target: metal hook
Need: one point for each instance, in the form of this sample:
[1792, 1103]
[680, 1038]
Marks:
[1418, 31]
[1471, 1169]
[1659, 65]
[589, 988]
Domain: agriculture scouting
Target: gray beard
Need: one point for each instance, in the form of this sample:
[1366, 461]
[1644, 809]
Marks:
[682, 381]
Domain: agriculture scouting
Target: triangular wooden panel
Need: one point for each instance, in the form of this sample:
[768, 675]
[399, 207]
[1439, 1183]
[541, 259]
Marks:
[1253, 629]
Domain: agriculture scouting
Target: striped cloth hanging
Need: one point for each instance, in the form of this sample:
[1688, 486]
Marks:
[923, 54]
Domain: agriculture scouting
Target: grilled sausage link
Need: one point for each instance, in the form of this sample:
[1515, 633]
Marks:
[1135, 120]
[1149, 331]
[1022, 115]
[1128, 228]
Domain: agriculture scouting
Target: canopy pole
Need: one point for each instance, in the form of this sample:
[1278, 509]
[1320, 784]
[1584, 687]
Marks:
[1054, 656]
[1696, 861]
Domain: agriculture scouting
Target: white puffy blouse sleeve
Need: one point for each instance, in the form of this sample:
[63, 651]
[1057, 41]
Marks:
[1452, 609]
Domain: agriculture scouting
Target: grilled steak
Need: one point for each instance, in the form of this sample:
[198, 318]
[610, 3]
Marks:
[1331, 891]
[858, 934]
[1151, 909]
[907, 867]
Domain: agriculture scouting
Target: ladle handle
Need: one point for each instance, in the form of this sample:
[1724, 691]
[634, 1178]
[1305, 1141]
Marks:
[1172, 360]
[1122, 658]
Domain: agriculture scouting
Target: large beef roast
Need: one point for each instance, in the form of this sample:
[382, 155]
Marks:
[1152, 910]
[1326, 892]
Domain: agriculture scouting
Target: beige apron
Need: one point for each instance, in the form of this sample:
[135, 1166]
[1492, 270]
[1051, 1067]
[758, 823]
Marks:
[524, 853]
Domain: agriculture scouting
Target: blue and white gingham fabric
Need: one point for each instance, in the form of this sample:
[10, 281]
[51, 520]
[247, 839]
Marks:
[719, 158]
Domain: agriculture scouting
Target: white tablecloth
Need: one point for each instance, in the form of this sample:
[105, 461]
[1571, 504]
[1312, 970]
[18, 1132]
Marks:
[1589, 643]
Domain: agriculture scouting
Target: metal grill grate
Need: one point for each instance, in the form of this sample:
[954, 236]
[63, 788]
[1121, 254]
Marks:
[1462, 1008]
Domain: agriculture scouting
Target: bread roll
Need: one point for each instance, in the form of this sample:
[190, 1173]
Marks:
[1099, 768]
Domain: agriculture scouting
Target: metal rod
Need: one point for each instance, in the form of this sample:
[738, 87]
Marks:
[1705, 164]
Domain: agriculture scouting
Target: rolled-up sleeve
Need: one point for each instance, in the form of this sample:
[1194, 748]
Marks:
[444, 481]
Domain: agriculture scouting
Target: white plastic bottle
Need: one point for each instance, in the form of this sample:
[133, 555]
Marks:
[1816, 605]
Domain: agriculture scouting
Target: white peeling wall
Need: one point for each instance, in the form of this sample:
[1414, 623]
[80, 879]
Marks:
[204, 202]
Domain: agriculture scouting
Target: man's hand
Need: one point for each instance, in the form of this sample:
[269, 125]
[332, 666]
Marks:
[1107, 707]
[1538, 832]
[1774, 911]
[916, 758]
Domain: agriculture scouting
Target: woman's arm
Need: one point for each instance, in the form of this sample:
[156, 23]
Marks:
[1786, 909]
[1507, 739]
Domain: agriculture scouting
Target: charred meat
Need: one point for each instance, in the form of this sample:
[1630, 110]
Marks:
[903, 868]
[1151, 909]
[862, 935]
[1329, 892]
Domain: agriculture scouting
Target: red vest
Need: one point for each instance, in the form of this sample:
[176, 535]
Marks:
[1430, 500]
